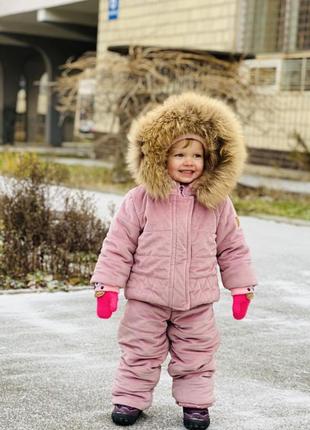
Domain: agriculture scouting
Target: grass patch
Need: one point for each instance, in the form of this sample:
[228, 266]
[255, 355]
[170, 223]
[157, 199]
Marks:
[75, 176]
[95, 178]
[263, 201]
[48, 154]
[247, 200]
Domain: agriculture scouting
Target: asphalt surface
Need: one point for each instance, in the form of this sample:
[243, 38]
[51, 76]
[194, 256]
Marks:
[57, 360]
[289, 185]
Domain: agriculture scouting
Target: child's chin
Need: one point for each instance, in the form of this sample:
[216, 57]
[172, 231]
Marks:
[186, 180]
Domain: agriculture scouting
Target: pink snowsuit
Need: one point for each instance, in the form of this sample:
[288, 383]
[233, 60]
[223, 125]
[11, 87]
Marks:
[165, 254]
[163, 248]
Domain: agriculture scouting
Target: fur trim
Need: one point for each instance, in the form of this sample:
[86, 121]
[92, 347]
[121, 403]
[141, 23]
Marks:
[151, 136]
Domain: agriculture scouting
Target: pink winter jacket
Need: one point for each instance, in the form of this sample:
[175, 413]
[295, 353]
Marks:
[166, 251]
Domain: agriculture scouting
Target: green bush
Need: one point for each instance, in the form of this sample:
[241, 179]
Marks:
[39, 245]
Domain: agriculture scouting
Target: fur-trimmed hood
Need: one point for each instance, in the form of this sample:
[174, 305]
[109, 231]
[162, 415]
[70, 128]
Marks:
[150, 139]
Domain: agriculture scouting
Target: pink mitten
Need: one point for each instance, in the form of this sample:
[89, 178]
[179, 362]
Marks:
[240, 306]
[107, 304]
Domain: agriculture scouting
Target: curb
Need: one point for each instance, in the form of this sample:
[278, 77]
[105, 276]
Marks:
[44, 290]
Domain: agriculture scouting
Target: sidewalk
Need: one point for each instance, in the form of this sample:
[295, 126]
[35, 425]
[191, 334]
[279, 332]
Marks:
[288, 185]
[57, 360]
[74, 149]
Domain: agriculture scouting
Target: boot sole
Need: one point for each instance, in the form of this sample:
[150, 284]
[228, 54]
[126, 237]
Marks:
[124, 420]
[195, 425]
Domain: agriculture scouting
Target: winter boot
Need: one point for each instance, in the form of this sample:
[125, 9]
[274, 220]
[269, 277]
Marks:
[196, 419]
[123, 415]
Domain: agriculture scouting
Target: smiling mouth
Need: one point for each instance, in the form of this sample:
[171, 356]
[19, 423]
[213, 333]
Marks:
[186, 171]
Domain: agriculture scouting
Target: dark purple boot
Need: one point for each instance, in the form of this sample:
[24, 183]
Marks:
[196, 419]
[123, 415]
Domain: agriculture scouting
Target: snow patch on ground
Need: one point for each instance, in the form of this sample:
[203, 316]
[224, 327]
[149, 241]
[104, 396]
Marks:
[57, 195]
[32, 311]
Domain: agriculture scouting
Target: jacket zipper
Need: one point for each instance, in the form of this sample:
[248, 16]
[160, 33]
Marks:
[173, 254]
[182, 190]
[186, 280]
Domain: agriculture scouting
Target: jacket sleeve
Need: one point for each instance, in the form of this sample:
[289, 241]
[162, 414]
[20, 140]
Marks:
[116, 257]
[233, 254]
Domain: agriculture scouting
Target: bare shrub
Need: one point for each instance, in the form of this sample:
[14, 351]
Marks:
[35, 238]
[300, 153]
[127, 86]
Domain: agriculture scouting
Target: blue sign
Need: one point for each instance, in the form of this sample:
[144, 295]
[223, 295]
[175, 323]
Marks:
[113, 9]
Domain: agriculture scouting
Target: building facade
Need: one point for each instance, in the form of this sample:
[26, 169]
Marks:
[36, 38]
[278, 33]
[275, 32]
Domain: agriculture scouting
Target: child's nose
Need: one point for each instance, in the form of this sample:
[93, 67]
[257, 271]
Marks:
[188, 160]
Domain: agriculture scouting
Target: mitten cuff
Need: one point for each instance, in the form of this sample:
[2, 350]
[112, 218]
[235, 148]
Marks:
[98, 286]
[245, 290]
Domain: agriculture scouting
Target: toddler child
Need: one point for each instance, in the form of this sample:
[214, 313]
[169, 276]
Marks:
[163, 248]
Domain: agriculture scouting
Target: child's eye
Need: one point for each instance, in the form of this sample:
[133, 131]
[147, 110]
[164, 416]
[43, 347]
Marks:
[179, 154]
[198, 155]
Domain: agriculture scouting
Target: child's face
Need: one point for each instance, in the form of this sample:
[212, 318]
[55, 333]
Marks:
[186, 161]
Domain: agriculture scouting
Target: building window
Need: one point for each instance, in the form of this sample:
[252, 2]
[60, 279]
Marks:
[307, 75]
[291, 75]
[295, 75]
[303, 33]
[263, 76]
[264, 25]
[275, 25]
[269, 76]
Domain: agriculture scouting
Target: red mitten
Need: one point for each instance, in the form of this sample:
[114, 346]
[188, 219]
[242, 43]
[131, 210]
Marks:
[107, 304]
[240, 306]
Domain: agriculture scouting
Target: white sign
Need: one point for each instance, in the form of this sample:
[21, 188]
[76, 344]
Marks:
[113, 9]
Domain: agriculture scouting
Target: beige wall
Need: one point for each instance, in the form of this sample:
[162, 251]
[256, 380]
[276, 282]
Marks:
[201, 24]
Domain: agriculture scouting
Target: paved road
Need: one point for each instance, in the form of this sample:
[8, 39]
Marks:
[57, 359]
[289, 185]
